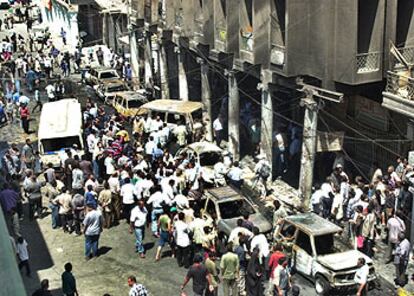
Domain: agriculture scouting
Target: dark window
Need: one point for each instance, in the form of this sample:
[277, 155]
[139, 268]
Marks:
[105, 75]
[324, 244]
[134, 104]
[175, 118]
[235, 208]
[288, 230]
[209, 158]
[124, 103]
[116, 88]
[56, 144]
[303, 242]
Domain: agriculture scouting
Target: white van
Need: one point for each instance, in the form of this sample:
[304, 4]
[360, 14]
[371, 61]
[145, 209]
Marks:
[60, 127]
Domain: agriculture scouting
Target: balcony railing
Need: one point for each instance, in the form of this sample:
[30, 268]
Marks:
[277, 55]
[368, 62]
[401, 85]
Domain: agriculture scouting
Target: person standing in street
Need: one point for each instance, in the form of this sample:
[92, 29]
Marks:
[401, 258]
[136, 289]
[229, 266]
[25, 117]
[395, 226]
[201, 278]
[23, 254]
[69, 281]
[218, 130]
[361, 277]
[137, 225]
[211, 266]
[182, 240]
[37, 99]
[93, 228]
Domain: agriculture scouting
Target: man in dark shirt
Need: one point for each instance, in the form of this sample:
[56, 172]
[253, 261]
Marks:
[69, 281]
[201, 277]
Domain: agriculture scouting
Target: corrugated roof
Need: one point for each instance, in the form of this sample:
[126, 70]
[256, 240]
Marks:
[173, 106]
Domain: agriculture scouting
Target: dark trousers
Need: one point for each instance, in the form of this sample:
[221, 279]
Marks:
[66, 221]
[35, 204]
[126, 211]
[38, 105]
[25, 124]
[25, 263]
[77, 221]
[183, 256]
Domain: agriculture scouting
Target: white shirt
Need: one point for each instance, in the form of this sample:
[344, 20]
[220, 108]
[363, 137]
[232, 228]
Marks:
[234, 235]
[149, 147]
[113, 183]
[338, 204]
[181, 234]
[50, 90]
[155, 125]
[361, 275]
[110, 169]
[260, 241]
[235, 173]
[326, 189]
[142, 188]
[181, 201]
[139, 216]
[217, 126]
[127, 193]
[22, 251]
[157, 199]
[91, 140]
[316, 197]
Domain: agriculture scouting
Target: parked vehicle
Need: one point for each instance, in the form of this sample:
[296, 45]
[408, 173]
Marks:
[174, 111]
[206, 155]
[60, 127]
[128, 103]
[318, 256]
[106, 90]
[226, 205]
[98, 75]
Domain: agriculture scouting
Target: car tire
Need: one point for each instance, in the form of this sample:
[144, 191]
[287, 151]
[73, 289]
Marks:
[322, 286]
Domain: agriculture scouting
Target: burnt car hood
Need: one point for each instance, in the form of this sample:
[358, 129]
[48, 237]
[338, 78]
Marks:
[342, 260]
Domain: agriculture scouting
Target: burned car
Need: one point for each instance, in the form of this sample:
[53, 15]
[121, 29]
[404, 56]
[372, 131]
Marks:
[317, 255]
[225, 205]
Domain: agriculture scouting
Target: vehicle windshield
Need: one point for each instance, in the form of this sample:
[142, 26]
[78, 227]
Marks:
[325, 244]
[134, 104]
[56, 144]
[105, 75]
[235, 208]
[115, 88]
[209, 158]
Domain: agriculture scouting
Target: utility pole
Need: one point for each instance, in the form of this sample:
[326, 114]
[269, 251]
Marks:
[310, 126]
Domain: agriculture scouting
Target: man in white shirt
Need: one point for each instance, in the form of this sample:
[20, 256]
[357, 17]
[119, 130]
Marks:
[137, 225]
[91, 140]
[127, 194]
[361, 277]
[235, 175]
[157, 200]
[260, 241]
[218, 131]
[150, 146]
[50, 91]
[183, 241]
[93, 227]
[234, 234]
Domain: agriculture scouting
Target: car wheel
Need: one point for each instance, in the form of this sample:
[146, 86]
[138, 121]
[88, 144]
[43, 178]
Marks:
[321, 286]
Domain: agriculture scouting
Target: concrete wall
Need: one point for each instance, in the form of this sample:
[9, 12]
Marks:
[61, 16]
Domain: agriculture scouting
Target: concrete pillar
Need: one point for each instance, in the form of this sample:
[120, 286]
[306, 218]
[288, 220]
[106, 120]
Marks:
[234, 116]
[165, 88]
[206, 99]
[182, 77]
[105, 29]
[111, 33]
[147, 63]
[266, 130]
[308, 148]
[134, 51]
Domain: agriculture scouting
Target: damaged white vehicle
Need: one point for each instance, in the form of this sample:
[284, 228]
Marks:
[317, 255]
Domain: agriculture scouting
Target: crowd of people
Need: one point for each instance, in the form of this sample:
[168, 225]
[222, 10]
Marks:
[129, 172]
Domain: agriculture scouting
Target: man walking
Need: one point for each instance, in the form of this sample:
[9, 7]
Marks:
[69, 281]
[137, 225]
[25, 116]
[401, 258]
[93, 228]
[361, 277]
[229, 266]
[201, 277]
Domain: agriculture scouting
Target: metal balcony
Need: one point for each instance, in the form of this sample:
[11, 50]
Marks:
[368, 62]
[399, 93]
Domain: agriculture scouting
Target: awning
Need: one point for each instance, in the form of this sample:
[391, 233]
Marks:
[124, 39]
